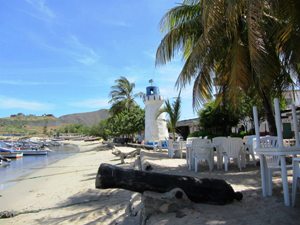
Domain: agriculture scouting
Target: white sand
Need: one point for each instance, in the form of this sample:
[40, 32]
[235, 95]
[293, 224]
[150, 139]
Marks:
[253, 209]
[64, 193]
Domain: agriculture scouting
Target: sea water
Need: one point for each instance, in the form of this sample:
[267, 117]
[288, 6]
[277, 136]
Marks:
[19, 168]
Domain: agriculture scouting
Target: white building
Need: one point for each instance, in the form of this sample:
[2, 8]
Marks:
[155, 126]
[291, 97]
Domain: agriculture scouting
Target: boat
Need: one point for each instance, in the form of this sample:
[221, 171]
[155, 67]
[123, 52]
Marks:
[33, 152]
[9, 153]
[4, 161]
[24, 148]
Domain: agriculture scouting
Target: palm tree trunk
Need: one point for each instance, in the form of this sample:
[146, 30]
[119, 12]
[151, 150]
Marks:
[173, 133]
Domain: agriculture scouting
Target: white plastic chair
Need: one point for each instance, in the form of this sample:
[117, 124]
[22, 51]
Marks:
[175, 146]
[189, 150]
[234, 151]
[220, 143]
[203, 150]
[248, 141]
[171, 151]
[178, 147]
[296, 176]
[272, 161]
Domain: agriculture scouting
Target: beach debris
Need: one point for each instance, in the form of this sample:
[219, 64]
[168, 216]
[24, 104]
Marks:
[210, 191]
[125, 154]
[109, 144]
[168, 202]
[134, 205]
[92, 139]
[138, 163]
[6, 214]
[147, 166]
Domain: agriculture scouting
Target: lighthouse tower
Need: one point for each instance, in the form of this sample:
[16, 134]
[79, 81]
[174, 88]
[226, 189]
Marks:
[155, 127]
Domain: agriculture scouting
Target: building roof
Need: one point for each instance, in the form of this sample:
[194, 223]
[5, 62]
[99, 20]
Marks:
[187, 122]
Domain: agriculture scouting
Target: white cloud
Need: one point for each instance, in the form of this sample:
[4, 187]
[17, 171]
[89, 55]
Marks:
[81, 53]
[44, 12]
[116, 23]
[94, 103]
[14, 103]
[70, 46]
[27, 83]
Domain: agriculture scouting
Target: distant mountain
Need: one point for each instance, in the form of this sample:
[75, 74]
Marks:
[88, 118]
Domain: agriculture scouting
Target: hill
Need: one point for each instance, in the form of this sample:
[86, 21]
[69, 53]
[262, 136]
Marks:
[31, 124]
[87, 118]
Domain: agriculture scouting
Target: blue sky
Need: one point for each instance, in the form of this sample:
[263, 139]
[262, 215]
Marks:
[62, 57]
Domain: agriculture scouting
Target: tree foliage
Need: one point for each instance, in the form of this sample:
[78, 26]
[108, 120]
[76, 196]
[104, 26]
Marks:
[173, 112]
[218, 119]
[127, 122]
[122, 97]
[100, 130]
[127, 118]
[234, 46]
[74, 129]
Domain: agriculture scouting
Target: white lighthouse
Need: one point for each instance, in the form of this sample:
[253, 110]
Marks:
[155, 126]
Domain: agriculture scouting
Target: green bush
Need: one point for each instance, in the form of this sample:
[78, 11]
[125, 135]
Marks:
[241, 135]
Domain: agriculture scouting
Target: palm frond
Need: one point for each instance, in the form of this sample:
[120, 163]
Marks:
[121, 95]
[180, 38]
[176, 16]
[202, 89]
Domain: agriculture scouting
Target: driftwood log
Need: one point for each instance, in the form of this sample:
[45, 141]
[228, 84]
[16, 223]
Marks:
[211, 191]
[124, 155]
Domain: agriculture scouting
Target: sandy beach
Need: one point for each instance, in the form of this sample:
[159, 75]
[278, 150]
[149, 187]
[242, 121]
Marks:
[64, 193]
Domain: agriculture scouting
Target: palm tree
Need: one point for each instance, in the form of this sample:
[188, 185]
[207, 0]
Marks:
[230, 44]
[173, 112]
[122, 97]
[288, 35]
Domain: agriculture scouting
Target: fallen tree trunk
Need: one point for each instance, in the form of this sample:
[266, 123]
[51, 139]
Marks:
[212, 191]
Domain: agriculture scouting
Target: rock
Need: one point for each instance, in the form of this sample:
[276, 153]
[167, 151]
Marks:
[172, 201]
[6, 214]
[147, 166]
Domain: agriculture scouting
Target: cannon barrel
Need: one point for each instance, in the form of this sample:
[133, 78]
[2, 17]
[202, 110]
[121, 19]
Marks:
[211, 191]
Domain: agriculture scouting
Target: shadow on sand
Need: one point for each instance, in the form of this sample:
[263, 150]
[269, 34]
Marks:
[92, 207]
[111, 206]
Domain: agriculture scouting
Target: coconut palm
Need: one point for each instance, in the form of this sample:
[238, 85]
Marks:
[173, 112]
[230, 44]
[122, 97]
[288, 35]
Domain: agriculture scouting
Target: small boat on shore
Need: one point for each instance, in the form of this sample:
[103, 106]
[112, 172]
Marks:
[4, 160]
[33, 152]
[24, 148]
[9, 153]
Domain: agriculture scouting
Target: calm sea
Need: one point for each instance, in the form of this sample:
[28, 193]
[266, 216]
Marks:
[16, 169]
